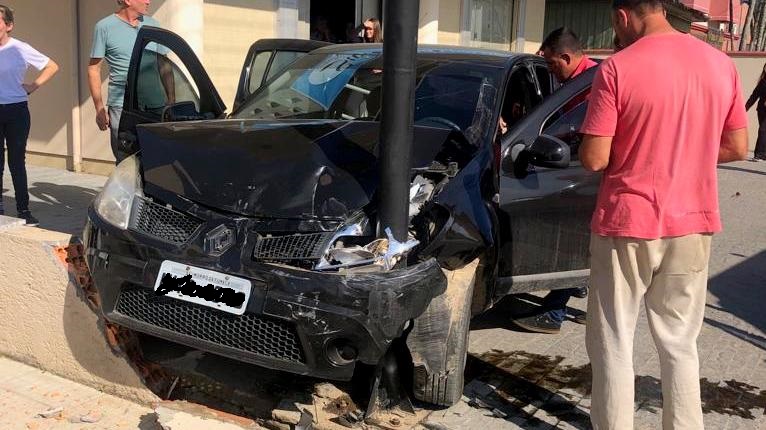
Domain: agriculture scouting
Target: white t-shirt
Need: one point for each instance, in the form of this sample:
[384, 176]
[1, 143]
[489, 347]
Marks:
[15, 57]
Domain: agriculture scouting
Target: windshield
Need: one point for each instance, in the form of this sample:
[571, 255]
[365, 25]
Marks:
[347, 86]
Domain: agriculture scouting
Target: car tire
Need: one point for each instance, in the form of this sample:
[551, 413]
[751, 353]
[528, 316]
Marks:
[438, 341]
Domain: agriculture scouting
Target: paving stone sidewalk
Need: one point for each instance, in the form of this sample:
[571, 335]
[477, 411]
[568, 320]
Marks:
[31, 399]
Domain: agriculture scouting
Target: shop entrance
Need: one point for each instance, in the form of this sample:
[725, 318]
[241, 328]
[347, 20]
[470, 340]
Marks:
[334, 21]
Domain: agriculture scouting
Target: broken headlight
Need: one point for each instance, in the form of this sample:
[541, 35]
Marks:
[114, 202]
[355, 246]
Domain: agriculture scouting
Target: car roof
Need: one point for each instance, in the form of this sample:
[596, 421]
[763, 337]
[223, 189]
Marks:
[479, 55]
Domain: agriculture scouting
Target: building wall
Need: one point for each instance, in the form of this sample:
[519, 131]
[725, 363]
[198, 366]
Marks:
[49, 30]
[449, 22]
[531, 14]
[749, 67]
[231, 26]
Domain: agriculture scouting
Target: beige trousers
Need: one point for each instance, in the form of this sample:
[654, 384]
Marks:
[671, 275]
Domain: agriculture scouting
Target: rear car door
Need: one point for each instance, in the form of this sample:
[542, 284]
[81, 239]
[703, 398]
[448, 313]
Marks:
[166, 82]
[265, 58]
[545, 212]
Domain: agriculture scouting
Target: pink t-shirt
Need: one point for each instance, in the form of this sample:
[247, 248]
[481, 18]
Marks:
[666, 100]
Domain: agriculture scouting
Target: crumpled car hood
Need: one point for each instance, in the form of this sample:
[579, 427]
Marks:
[290, 169]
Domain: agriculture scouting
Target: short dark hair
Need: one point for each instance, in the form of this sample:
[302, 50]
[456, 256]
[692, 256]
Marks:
[639, 4]
[561, 40]
[7, 14]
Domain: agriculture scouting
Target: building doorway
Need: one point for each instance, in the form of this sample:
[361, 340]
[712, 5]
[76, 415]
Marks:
[334, 21]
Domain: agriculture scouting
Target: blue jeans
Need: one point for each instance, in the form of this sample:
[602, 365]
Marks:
[14, 131]
[115, 113]
[555, 303]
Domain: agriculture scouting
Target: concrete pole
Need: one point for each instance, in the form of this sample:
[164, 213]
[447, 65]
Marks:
[396, 125]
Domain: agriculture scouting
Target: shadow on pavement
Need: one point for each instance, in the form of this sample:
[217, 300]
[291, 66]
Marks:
[739, 169]
[740, 292]
[752, 338]
[525, 383]
[62, 208]
[518, 305]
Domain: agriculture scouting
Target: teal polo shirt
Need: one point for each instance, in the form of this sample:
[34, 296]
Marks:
[113, 40]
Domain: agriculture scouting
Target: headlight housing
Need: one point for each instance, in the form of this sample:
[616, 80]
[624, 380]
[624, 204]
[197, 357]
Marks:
[115, 201]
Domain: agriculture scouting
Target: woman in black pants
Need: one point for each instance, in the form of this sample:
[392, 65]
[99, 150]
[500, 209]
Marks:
[759, 94]
[15, 57]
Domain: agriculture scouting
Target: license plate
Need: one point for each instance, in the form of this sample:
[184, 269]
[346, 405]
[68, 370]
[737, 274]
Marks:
[203, 287]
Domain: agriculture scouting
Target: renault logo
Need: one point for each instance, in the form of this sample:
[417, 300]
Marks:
[219, 240]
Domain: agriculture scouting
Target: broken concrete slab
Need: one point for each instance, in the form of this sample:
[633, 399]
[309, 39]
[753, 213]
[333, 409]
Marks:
[46, 321]
[7, 222]
[181, 415]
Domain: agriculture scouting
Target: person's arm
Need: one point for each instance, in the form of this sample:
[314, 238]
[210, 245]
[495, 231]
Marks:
[733, 146]
[167, 78]
[594, 152]
[600, 122]
[94, 84]
[754, 96]
[45, 75]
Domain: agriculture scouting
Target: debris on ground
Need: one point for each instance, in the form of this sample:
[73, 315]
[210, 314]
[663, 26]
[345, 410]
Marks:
[52, 413]
[91, 417]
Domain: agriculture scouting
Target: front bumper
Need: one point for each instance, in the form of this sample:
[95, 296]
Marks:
[300, 321]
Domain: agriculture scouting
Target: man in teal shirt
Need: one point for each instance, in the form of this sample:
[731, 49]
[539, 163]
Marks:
[113, 40]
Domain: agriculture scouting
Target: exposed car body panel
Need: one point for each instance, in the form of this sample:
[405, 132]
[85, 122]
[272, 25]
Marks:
[292, 169]
[305, 309]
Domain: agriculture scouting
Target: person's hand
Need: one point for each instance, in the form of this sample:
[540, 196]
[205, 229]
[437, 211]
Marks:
[502, 125]
[30, 88]
[102, 119]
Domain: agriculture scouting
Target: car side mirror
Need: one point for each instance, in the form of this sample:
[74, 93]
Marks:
[548, 151]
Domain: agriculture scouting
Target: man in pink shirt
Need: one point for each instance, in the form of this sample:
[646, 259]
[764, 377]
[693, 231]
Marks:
[662, 113]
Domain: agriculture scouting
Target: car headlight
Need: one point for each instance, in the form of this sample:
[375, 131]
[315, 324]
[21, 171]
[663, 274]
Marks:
[114, 202]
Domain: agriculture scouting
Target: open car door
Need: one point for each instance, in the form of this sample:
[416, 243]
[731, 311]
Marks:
[265, 58]
[166, 82]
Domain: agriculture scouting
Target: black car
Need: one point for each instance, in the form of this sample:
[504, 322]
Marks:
[254, 235]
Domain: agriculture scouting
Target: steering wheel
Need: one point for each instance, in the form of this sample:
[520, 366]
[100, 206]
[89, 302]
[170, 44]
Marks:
[441, 120]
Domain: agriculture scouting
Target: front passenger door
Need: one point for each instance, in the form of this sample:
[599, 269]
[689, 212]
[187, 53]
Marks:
[166, 82]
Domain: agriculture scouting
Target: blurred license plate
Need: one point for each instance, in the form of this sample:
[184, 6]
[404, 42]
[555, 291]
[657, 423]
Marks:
[203, 287]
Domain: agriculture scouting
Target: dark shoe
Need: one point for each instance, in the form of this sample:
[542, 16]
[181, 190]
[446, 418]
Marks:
[541, 323]
[27, 216]
[580, 318]
[581, 292]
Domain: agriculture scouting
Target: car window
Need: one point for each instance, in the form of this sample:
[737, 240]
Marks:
[545, 79]
[282, 59]
[348, 86]
[520, 96]
[163, 80]
[257, 69]
[566, 122]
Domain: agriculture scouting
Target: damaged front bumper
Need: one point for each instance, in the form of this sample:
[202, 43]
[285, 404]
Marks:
[301, 321]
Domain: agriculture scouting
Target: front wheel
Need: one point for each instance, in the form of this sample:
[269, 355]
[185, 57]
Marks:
[438, 342]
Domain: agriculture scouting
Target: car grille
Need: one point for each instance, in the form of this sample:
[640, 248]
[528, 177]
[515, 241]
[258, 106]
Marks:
[161, 222]
[292, 247]
[250, 333]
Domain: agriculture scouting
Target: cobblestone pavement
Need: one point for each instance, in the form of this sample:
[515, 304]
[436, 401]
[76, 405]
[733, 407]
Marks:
[519, 380]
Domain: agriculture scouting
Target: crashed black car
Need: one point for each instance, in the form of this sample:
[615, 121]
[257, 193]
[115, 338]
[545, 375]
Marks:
[254, 235]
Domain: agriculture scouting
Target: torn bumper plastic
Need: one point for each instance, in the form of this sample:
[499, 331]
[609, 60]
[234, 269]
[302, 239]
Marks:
[305, 322]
